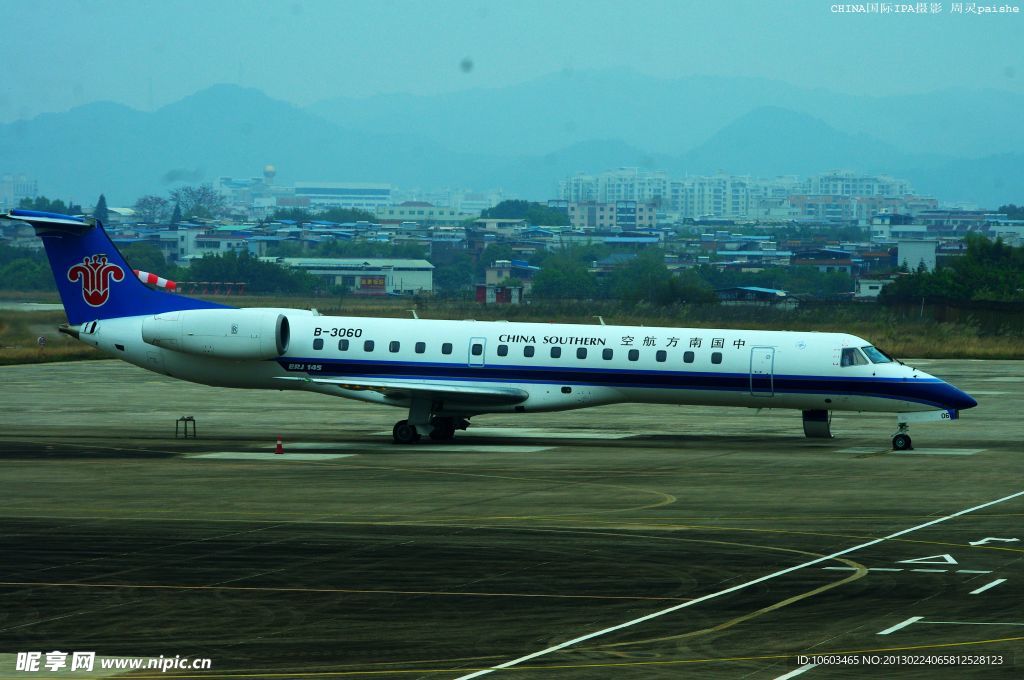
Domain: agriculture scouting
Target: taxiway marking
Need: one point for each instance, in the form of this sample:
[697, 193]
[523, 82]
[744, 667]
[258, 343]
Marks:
[985, 587]
[991, 539]
[733, 589]
[901, 624]
[797, 671]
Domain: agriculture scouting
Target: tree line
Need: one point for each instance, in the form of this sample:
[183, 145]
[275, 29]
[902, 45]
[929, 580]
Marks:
[990, 271]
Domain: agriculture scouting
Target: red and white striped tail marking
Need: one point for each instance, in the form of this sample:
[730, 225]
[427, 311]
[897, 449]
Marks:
[154, 280]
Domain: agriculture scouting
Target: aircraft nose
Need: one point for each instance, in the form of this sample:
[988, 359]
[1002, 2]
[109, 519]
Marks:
[956, 398]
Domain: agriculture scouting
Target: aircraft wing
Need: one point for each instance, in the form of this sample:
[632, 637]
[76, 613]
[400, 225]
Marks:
[403, 389]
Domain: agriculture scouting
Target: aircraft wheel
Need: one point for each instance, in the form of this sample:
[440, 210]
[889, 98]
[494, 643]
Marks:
[404, 433]
[444, 430]
[901, 442]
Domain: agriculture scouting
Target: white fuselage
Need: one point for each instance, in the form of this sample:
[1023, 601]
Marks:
[559, 366]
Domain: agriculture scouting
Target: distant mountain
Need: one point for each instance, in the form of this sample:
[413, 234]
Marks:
[673, 116]
[223, 130]
[484, 139]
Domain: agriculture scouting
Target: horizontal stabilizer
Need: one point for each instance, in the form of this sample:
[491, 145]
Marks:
[44, 222]
[399, 389]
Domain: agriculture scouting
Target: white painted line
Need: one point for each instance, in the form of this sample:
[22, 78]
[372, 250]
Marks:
[931, 571]
[1005, 378]
[975, 623]
[994, 539]
[974, 571]
[873, 569]
[985, 587]
[862, 449]
[425, 445]
[902, 624]
[259, 455]
[939, 452]
[944, 558]
[884, 569]
[798, 671]
[987, 393]
[733, 589]
[841, 568]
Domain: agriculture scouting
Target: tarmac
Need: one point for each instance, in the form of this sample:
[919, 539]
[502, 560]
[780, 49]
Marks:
[628, 541]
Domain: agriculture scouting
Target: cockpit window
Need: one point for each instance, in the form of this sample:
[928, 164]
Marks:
[852, 357]
[876, 355]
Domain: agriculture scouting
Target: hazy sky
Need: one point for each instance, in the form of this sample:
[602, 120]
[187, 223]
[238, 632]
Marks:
[57, 54]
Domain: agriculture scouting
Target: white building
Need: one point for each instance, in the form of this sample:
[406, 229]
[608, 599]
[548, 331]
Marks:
[869, 289]
[914, 253]
[13, 188]
[624, 184]
[369, 197]
[369, 276]
[846, 183]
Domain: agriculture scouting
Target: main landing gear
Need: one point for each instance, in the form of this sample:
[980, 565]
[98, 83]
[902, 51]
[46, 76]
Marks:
[422, 421]
[441, 430]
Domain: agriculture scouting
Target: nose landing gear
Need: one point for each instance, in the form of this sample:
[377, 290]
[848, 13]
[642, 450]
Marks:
[901, 440]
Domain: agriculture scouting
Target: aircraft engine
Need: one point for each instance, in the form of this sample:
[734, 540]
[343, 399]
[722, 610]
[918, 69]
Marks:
[220, 333]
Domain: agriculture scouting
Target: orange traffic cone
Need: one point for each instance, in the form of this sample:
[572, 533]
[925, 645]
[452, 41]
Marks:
[280, 447]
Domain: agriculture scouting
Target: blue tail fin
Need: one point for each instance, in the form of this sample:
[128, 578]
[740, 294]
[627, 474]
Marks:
[92, 277]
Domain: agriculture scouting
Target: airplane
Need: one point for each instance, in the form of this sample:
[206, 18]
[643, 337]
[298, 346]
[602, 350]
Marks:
[446, 372]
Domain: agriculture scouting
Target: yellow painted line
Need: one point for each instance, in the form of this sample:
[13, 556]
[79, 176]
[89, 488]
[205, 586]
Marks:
[439, 593]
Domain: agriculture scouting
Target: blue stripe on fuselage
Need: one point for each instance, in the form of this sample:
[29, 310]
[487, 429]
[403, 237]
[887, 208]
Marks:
[928, 391]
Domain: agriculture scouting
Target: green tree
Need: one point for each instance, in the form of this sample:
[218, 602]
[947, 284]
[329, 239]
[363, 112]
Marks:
[259, 276]
[199, 201]
[1013, 211]
[43, 204]
[26, 273]
[346, 215]
[148, 258]
[564, 278]
[100, 212]
[989, 270]
[453, 274]
[152, 209]
[176, 215]
[533, 213]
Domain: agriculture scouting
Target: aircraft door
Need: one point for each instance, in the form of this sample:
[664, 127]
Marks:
[762, 369]
[477, 347]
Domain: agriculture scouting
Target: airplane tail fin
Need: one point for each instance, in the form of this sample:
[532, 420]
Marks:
[93, 279]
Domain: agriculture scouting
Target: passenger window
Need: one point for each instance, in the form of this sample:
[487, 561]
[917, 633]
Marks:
[581, 352]
[318, 343]
[394, 346]
[477, 349]
[852, 357]
[343, 345]
[368, 346]
[556, 352]
[421, 347]
[716, 357]
[502, 350]
[688, 357]
[528, 351]
[607, 354]
[446, 348]
[660, 355]
[634, 354]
